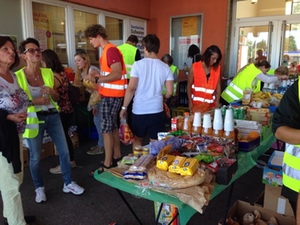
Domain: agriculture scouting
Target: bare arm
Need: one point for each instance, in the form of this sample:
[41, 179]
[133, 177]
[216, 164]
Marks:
[129, 94]
[170, 89]
[218, 93]
[288, 134]
[115, 74]
[190, 82]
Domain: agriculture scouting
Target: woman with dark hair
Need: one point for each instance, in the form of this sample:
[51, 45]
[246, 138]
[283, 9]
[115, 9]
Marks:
[203, 84]
[38, 83]
[194, 53]
[61, 83]
[250, 76]
[13, 106]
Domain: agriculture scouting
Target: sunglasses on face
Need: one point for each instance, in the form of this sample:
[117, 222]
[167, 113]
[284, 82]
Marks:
[33, 50]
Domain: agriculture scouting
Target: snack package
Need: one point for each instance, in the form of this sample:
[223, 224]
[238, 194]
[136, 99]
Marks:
[125, 133]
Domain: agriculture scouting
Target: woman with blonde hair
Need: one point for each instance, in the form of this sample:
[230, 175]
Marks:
[84, 70]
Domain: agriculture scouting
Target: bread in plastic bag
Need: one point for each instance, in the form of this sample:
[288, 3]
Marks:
[95, 98]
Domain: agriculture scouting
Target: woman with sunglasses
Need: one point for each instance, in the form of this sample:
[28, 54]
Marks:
[38, 83]
[13, 106]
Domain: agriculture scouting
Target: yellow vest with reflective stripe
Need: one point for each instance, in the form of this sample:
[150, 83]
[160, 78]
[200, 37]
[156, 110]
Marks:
[32, 121]
[244, 79]
[128, 51]
[175, 71]
[291, 163]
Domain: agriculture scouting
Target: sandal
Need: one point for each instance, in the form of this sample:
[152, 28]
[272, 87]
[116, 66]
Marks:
[100, 169]
[115, 161]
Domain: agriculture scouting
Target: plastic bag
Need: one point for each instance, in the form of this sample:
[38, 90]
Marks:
[94, 100]
[125, 133]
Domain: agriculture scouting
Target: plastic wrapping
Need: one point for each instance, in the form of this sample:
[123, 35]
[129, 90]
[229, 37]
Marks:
[125, 133]
[95, 98]
[172, 180]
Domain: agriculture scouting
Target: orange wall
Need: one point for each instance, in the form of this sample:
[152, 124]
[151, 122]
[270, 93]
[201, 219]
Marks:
[134, 8]
[158, 14]
[214, 20]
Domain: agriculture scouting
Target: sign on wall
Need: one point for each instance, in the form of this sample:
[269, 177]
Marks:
[138, 29]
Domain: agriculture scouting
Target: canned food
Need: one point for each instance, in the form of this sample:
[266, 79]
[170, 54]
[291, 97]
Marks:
[138, 150]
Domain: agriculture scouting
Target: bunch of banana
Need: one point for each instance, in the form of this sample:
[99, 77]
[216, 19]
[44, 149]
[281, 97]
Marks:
[277, 95]
[262, 95]
[88, 84]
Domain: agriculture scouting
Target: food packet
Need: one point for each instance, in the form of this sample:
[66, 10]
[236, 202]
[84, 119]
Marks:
[95, 98]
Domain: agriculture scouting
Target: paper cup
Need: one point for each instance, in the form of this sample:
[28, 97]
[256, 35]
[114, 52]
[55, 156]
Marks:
[218, 120]
[228, 122]
[206, 120]
[197, 119]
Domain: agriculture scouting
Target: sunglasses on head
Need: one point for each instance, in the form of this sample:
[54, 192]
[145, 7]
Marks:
[33, 50]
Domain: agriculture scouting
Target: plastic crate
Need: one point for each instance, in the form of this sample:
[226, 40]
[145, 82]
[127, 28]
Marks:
[179, 111]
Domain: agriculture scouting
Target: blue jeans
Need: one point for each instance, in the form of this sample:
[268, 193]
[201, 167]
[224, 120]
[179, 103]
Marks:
[97, 122]
[52, 124]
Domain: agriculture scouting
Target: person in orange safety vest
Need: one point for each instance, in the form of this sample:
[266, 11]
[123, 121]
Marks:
[203, 84]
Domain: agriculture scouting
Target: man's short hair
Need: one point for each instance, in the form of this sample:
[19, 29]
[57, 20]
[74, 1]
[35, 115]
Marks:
[94, 30]
[133, 39]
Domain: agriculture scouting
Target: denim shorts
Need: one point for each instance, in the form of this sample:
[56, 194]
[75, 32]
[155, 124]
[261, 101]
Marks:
[109, 109]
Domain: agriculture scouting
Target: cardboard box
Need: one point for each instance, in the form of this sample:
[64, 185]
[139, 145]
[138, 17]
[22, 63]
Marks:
[250, 145]
[47, 150]
[226, 172]
[240, 208]
[168, 212]
[275, 202]
[25, 157]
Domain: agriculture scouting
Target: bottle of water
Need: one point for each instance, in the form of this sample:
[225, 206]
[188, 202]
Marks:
[185, 68]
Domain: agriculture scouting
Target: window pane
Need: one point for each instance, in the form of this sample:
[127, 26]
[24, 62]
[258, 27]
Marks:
[81, 21]
[49, 28]
[185, 31]
[114, 30]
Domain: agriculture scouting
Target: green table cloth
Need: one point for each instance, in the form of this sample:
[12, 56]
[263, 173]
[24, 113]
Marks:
[246, 160]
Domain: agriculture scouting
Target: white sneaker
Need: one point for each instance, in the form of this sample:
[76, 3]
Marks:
[73, 188]
[40, 195]
[55, 170]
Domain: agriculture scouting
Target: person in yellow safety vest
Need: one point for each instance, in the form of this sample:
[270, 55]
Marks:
[203, 84]
[38, 84]
[286, 127]
[175, 71]
[250, 77]
[112, 84]
[130, 53]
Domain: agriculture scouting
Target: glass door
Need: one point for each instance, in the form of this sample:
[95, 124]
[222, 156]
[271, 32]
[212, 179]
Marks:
[253, 40]
[290, 45]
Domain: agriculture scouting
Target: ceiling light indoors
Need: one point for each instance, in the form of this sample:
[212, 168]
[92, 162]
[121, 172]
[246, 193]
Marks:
[254, 1]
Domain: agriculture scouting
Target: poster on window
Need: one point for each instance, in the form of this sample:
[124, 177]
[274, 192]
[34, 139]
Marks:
[43, 29]
[138, 29]
[189, 26]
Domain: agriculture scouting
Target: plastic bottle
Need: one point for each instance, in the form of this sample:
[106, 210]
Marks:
[186, 121]
[185, 68]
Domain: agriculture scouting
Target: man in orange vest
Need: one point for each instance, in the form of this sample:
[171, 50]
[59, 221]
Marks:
[111, 86]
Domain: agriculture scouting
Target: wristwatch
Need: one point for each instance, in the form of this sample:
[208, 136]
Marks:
[124, 108]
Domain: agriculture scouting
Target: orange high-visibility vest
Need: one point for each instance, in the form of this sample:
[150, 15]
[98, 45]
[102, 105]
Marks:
[114, 88]
[203, 90]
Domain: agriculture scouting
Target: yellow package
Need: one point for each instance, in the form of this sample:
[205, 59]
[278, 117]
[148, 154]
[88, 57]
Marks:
[177, 164]
[164, 162]
[189, 167]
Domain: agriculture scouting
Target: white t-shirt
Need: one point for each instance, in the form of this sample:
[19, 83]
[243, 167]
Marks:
[152, 74]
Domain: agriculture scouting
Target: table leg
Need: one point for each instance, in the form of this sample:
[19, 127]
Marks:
[129, 207]
[228, 203]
